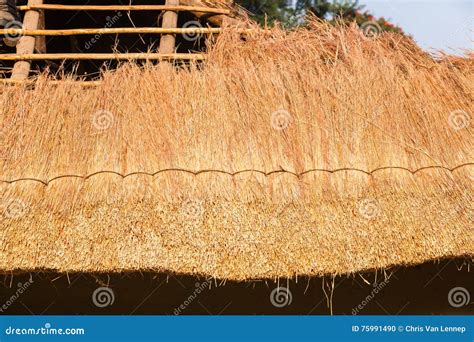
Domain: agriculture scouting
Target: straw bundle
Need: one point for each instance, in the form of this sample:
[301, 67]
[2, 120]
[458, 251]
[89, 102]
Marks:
[312, 152]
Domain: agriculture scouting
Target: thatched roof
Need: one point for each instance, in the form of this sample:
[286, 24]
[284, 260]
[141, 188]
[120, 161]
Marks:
[306, 153]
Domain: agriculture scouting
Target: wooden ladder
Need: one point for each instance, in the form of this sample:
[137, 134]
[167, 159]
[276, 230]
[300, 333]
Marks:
[31, 45]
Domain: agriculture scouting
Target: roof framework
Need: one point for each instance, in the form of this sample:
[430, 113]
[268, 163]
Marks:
[32, 44]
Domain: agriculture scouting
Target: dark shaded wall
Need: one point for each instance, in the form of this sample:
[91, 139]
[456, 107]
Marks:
[418, 290]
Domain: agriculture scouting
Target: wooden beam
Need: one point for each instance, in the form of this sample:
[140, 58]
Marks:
[32, 82]
[103, 56]
[26, 45]
[170, 21]
[112, 30]
[176, 8]
[215, 19]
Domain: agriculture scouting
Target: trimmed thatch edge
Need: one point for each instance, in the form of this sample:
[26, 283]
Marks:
[466, 258]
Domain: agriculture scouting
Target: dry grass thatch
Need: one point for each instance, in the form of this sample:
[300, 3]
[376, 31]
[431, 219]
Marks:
[312, 152]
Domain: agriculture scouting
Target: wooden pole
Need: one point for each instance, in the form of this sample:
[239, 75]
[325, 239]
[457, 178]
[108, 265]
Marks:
[170, 21]
[179, 8]
[112, 30]
[40, 44]
[102, 56]
[26, 45]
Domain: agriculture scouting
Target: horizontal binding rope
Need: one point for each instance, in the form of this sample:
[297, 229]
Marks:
[114, 30]
[103, 56]
[235, 173]
[125, 8]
